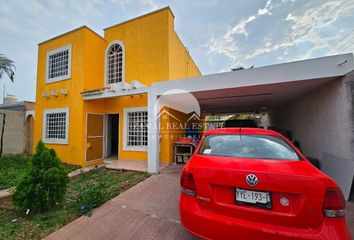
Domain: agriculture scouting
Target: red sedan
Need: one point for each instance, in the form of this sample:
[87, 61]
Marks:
[244, 183]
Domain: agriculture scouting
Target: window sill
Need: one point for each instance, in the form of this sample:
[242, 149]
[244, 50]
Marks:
[56, 141]
[135, 149]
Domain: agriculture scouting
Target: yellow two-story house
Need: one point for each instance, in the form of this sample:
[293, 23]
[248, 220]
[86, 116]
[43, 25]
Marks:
[129, 58]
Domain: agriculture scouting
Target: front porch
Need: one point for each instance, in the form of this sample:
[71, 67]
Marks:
[134, 165]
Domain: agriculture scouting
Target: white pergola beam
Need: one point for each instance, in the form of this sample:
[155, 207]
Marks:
[115, 93]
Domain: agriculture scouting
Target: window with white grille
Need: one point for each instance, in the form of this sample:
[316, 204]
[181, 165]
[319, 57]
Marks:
[58, 64]
[115, 63]
[55, 126]
[136, 129]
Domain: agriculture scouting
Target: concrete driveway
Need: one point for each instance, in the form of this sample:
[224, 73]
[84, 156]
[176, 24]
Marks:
[147, 211]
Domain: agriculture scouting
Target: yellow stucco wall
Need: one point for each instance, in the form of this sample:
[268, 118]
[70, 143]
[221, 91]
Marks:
[153, 52]
[93, 79]
[180, 61]
[85, 70]
[146, 59]
[146, 46]
[74, 85]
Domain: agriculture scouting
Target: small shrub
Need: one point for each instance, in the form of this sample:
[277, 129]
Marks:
[44, 183]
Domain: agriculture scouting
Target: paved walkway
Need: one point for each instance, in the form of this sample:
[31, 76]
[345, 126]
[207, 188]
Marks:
[147, 211]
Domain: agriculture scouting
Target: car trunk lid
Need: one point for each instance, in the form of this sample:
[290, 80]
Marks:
[294, 190]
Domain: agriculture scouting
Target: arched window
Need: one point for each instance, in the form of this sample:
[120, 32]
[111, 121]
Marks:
[115, 63]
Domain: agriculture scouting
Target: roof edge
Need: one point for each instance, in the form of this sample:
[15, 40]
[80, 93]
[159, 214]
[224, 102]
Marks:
[71, 31]
[315, 68]
[141, 16]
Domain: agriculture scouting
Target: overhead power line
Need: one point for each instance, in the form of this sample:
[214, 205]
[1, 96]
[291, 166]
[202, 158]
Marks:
[345, 43]
[343, 46]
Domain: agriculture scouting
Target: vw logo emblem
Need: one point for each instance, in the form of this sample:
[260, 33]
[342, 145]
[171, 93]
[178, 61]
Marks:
[251, 180]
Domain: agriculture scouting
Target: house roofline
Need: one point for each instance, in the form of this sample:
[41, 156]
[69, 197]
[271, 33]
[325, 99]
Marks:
[141, 16]
[71, 31]
[15, 104]
[86, 27]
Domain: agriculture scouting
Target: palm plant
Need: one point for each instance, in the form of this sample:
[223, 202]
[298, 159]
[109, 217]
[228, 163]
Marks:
[6, 66]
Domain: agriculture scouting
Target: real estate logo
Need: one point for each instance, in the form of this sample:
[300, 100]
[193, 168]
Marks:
[178, 113]
[177, 104]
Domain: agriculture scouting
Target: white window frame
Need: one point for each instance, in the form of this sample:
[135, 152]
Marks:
[106, 63]
[63, 77]
[56, 140]
[125, 130]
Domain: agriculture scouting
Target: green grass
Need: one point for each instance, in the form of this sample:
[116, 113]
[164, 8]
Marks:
[17, 225]
[69, 167]
[12, 168]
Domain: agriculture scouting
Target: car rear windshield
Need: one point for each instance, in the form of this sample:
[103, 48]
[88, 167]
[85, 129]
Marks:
[248, 146]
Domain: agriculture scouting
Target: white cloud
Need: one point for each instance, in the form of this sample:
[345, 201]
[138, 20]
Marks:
[307, 26]
[240, 28]
[227, 44]
[266, 9]
[151, 3]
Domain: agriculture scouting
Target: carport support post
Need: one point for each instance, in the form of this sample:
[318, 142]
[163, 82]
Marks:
[153, 134]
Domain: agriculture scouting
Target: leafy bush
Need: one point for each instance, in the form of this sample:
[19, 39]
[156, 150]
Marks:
[44, 183]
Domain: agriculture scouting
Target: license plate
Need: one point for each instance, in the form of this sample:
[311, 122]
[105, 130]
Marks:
[256, 198]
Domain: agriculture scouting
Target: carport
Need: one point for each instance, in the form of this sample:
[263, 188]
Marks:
[312, 98]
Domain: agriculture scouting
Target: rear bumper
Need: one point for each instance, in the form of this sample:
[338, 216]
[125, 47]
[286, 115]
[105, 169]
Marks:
[209, 225]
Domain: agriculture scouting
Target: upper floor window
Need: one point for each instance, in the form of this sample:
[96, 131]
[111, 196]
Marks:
[115, 63]
[58, 64]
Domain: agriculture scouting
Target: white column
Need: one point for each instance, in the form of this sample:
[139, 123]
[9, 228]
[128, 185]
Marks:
[153, 133]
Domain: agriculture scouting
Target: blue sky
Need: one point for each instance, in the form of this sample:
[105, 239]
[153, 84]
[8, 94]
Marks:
[220, 34]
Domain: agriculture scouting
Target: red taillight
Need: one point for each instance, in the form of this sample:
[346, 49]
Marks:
[188, 184]
[334, 203]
